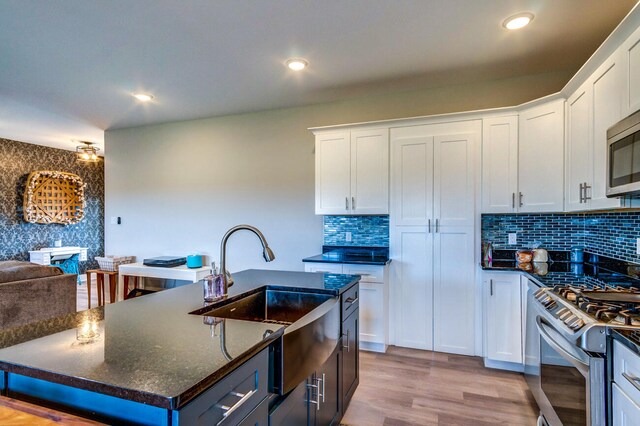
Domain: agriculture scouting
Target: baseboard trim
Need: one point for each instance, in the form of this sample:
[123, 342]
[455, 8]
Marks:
[503, 365]
[373, 347]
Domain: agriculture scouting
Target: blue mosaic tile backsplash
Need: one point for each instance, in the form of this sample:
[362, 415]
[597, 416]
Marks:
[366, 231]
[611, 234]
[17, 237]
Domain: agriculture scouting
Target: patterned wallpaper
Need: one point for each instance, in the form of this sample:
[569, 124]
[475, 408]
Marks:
[610, 234]
[366, 231]
[17, 237]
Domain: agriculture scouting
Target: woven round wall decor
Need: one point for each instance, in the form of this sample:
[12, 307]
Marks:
[54, 197]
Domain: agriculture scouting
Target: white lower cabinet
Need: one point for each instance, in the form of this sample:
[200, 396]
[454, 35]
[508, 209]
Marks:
[625, 412]
[503, 317]
[374, 300]
[625, 392]
[329, 268]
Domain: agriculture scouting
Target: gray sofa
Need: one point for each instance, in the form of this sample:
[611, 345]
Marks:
[31, 292]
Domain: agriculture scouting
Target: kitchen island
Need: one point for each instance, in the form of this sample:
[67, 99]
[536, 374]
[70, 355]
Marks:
[154, 359]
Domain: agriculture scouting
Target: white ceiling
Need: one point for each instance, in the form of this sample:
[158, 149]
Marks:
[68, 67]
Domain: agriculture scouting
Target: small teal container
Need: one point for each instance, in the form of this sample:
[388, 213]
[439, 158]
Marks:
[194, 261]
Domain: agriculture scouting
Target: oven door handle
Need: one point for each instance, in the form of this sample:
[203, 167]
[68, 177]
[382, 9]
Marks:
[580, 364]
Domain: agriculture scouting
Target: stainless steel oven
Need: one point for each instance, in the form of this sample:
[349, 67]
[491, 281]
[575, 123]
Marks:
[567, 382]
[623, 157]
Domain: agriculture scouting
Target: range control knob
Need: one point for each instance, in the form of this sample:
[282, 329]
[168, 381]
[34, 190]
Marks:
[577, 324]
[574, 322]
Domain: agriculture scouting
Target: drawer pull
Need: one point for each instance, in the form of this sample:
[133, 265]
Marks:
[243, 398]
[347, 347]
[635, 381]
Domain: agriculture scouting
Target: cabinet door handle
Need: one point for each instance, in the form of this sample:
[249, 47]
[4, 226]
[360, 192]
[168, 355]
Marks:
[491, 287]
[346, 203]
[429, 225]
[347, 347]
[635, 381]
[243, 398]
[317, 400]
[581, 192]
[320, 395]
[513, 200]
[353, 203]
[520, 195]
[437, 225]
[586, 188]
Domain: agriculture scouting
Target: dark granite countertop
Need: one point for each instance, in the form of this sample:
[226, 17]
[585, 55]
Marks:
[598, 271]
[352, 255]
[150, 349]
[629, 338]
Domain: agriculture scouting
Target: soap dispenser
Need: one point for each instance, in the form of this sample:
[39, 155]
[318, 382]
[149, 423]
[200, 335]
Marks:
[213, 285]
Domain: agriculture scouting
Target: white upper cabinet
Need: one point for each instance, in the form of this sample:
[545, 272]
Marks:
[352, 172]
[541, 158]
[370, 172]
[412, 191]
[454, 179]
[591, 110]
[333, 173]
[499, 164]
[607, 86]
[631, 63]
[579, 149]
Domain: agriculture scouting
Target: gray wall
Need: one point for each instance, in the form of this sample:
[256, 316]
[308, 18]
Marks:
[179, 186]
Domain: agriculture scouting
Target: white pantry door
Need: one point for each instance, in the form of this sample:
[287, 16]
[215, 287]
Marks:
[411, 236]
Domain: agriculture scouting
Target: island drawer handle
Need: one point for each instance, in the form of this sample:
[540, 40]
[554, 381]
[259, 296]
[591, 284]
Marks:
[351, 300]
[243, 398]
[635, 381]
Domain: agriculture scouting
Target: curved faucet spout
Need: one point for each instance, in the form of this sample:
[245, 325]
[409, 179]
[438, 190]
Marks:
[267, 253]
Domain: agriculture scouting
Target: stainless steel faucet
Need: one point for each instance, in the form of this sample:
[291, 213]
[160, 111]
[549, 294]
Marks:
[268, 255]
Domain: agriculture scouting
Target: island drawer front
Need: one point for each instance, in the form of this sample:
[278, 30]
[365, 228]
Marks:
[259, 416]
[368, 273]
[237, 394]
[350, 301]
[626, 370]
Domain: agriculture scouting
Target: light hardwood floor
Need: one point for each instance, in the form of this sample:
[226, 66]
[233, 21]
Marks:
[413, 387]
[81, 296]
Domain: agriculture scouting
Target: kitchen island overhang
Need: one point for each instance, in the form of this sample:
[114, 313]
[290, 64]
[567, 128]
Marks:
[152, 350]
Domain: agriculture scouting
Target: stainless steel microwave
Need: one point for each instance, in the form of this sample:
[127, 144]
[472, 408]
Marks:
[623, 157]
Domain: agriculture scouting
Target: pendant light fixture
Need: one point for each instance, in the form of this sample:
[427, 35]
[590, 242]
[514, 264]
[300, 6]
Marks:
[87, 151]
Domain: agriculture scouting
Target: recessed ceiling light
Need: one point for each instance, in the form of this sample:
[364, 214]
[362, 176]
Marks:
[297, 64]
[518, 21]
[143, 97]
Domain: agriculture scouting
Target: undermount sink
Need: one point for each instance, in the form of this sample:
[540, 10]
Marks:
[312, 332]
[270, 306]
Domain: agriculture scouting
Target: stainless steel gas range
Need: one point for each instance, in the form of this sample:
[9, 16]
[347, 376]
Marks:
[566, 341]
